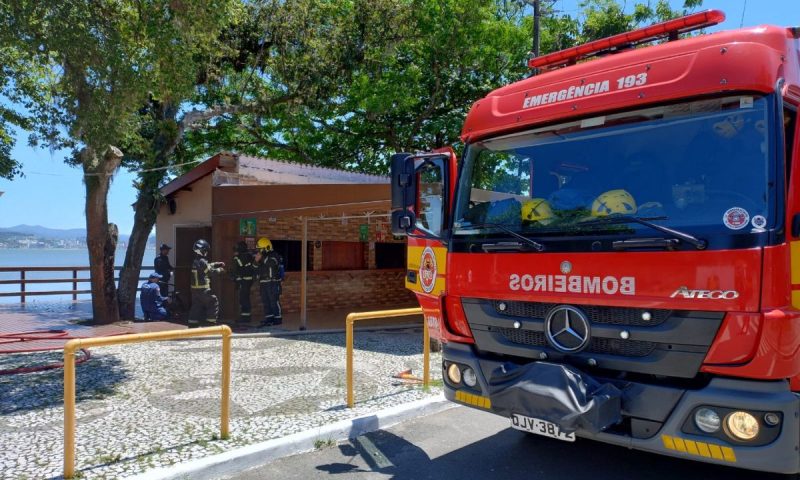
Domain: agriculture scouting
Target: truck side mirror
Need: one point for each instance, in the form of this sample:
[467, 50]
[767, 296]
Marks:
[403, 193]
[403, 181]
[418, 193]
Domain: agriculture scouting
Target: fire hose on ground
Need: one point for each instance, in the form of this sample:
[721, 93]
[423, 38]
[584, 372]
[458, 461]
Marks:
[38, 335]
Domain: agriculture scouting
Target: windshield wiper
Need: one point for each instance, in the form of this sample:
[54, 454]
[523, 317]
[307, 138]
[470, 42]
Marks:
[620, 219]
[481, 226]
[633, 243]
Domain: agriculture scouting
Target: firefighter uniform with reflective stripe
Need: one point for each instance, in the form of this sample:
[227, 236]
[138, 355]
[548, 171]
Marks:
[270, 275]
[243, 272]
[205, 305]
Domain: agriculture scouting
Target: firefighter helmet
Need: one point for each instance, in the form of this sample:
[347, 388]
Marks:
[537, 210]
[264, 244]
[241, 247]
[614, 202]
[201, 247]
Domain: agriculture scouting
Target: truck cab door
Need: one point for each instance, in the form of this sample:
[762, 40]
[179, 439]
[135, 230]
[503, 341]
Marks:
[422, 195]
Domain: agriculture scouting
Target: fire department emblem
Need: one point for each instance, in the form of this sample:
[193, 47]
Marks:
[736, 218]
[427, 270]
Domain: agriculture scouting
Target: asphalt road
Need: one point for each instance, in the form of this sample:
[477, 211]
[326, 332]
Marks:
[463, 444]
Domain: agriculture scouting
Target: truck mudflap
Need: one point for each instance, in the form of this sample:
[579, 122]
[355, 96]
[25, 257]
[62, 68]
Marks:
[556, 393]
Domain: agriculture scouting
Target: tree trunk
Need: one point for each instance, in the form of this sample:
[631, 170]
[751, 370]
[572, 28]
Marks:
[101, 237]
[148, 200]
[145, 213]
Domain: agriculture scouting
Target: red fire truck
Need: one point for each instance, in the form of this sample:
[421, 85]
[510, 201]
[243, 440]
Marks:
[616, 256]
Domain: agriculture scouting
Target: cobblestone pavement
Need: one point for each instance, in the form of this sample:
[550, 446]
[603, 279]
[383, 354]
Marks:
[154, 404]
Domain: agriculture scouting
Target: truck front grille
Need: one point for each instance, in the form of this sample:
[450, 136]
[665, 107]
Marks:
[605, 346]
[604, 315]
[670, 343]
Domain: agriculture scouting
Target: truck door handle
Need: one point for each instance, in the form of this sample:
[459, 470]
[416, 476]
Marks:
[411, 276]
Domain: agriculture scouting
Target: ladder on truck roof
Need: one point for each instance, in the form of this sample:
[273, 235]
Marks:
[669, 29]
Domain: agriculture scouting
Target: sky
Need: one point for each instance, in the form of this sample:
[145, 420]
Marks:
[52, 194]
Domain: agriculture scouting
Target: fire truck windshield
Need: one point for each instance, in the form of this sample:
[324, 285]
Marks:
[701, 167]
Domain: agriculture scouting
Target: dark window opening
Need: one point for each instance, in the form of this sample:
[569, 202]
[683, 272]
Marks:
[343, 256]
[390, 255]
[291, 250]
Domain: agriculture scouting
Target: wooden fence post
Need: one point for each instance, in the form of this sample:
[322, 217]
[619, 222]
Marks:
[74, 285]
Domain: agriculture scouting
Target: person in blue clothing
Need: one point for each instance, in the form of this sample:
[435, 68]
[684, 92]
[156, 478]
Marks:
[162, 266]
[153, 304]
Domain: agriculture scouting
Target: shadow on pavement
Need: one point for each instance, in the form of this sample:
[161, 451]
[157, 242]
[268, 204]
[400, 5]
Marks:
[513, 455]
[405, 342]
[95, 379]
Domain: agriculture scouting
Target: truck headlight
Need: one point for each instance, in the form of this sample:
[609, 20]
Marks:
[470, 379]
[742, 426]
[454, 373]
[707, 420]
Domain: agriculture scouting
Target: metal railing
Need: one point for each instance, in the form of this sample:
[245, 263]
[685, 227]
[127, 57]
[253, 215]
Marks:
[23, 280]
[73, 346]
[402, 312]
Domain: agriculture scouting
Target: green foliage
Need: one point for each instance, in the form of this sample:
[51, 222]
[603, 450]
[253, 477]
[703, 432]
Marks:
[603, 18]
[389, 75]
[342, 83]
[82, 69]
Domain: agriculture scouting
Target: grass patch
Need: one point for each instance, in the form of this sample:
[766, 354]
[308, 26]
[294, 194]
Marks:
[319, 443]
[433, 383]
[108, 458]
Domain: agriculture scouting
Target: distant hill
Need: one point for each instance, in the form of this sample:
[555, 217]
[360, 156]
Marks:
[44, 232]
[52, 233]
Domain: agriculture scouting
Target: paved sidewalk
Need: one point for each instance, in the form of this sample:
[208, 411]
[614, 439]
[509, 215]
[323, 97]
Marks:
[70, 320]
[73, 320]
[155, 404]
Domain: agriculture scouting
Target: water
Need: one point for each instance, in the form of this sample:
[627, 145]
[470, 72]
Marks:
[34, 257]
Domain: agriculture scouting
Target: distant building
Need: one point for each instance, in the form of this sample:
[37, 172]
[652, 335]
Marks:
[352, 261]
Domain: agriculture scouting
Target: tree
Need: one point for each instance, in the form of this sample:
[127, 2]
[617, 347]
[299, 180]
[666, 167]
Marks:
[417, 65]
[281, 56]
[424, 62]
[84, 69]
[603, 18]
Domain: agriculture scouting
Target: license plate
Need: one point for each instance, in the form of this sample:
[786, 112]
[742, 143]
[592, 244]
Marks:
[540, 427]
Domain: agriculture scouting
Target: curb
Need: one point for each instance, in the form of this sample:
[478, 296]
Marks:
[244, 458]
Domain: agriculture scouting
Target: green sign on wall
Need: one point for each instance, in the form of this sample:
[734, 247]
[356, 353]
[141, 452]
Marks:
[363, 233]
[247, 227]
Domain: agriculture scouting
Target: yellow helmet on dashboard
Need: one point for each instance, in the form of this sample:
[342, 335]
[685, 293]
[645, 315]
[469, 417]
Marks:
[537, 210]
[264, 244]
[614, 202]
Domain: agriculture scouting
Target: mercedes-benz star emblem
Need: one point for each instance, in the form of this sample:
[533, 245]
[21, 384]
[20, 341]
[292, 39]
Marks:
[566, 267]
[567, 329]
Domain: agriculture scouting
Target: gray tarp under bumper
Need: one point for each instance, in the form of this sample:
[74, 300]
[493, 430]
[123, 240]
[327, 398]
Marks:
[556, 393]
[578, 402]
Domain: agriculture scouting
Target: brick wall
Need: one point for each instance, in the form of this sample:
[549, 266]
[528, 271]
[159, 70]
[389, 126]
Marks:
[326, 289]
[342, 290]
[291, 228]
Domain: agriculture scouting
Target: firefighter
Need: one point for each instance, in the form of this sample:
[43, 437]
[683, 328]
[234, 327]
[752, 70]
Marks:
[269, 264]
[205, 305]
[243, 271]
[162, 267]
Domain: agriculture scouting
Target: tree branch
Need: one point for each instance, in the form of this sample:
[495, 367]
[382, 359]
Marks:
[194, 118]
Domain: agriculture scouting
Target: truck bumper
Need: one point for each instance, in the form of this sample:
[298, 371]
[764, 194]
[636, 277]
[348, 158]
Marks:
[651, 418]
